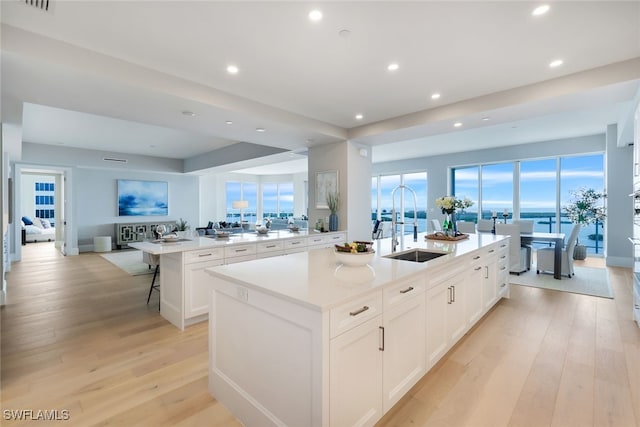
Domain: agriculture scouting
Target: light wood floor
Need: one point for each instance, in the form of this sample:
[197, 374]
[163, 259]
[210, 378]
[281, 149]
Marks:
[77, 335]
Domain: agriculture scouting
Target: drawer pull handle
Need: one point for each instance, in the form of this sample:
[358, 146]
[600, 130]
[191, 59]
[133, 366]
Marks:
[503, 268]
[503, 285]
[450, 295]
[241, 250]
[201, 255]
[477, 268]
[381, 346]
[270, 246]
[503, 245]
[491, 251]
[295, 243]
[503, 257]
[404, 291]
[362, 310]
[476, 257]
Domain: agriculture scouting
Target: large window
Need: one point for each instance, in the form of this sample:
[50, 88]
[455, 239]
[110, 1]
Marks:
[241, 191]
[44, 201]
[277, 199]
[466, 184]
[382, 203]
[544, 187]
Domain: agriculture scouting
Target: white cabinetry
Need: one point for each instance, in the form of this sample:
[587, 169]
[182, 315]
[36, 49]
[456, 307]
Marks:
[239, 253]
[475, 307]
[269, 249]
[196, 292]
[446, 320]
[378, 353]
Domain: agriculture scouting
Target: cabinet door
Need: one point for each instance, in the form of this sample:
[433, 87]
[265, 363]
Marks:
[474, 304]
[456, 315]
[438, 299]
[404, 354]
[489, 294]
[355, 379]
[196, 292]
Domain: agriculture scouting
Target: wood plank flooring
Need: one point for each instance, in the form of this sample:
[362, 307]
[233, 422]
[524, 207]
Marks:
[77, 335]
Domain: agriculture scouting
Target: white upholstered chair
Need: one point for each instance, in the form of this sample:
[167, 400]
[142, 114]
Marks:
[485, 225]
[153, 261]
[545, 257]
[435, 223]
[526, 226]
[466, 226]
[517, 254]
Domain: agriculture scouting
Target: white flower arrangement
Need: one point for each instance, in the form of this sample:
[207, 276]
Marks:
[449, 204]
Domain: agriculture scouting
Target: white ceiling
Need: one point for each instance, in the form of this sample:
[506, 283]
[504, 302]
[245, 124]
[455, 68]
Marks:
[116, 76]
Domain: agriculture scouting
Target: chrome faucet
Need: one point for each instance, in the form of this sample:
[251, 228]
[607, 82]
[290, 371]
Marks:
[394, 222]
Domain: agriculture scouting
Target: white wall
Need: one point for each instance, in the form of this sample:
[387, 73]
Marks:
[97, 201]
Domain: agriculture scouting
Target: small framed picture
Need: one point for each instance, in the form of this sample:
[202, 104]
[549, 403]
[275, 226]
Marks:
[326, 183]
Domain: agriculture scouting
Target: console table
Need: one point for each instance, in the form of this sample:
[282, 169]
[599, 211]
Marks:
[135, 231]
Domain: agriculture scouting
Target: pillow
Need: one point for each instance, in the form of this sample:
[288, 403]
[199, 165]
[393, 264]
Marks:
[27, 220]
[37, 223]
[210, 225]
[45, 223]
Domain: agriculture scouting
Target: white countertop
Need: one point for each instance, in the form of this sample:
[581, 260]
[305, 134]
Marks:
[315, 279]
[195, 243]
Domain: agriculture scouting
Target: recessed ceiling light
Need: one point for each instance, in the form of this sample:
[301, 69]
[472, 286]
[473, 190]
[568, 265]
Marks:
[556, 63]
[229, 122]
[359, 116]
[232, 69]
[260, 129]
[189, 113]
[315, 15]
[486, 119]
[435, 96]
[393, 66]
[457, 124]
[540, 10]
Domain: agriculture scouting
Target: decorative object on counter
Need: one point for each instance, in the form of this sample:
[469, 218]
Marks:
[222, 234]
[160, 230]
[357, 253]
[586, 206]
[494, 216]
[441, 235]
[319, 225]
[263, 229]
[448, 205]
[240, 205]
[505, 215]
[182, 226]
[333, 202]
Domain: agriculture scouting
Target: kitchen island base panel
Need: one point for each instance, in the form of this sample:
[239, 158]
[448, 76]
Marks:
[271, 342]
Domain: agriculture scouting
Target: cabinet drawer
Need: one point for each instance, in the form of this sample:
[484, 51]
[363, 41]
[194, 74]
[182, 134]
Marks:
[276, 245]
[295, 243]
[240, 250]
[203, 255]
[338, 238]
[354, 313]
[317, 240]
[396, 294]
[241, 258]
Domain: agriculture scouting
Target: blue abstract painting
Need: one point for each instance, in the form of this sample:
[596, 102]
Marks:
[136, 198]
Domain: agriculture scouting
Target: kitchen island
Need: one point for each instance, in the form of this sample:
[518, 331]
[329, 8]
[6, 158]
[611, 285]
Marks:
[304, 341]
[184, 294]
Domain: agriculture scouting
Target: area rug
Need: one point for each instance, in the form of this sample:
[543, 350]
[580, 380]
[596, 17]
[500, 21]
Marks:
[129, 261]
[587, 281]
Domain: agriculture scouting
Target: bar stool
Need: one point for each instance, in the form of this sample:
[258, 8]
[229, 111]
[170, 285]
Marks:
[153, 261]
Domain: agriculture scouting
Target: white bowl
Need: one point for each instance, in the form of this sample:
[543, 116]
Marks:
[357, 259]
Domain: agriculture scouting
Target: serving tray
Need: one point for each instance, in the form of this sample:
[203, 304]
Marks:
[442, 236]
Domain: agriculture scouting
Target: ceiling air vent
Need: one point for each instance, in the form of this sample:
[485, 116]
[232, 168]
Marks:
[112, 159]
[38, 4]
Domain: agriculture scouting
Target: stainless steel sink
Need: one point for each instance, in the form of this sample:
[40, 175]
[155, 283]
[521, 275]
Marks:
[416, 255]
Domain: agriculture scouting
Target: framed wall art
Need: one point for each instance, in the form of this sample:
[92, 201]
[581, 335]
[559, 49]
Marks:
[326, 183]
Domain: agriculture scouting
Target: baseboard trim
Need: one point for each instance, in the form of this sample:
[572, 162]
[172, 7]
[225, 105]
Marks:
[619, 262]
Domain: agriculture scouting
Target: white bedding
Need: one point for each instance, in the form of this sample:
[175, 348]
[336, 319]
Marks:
[37, 234]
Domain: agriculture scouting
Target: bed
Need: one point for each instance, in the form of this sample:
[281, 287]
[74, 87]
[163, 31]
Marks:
[40, 230]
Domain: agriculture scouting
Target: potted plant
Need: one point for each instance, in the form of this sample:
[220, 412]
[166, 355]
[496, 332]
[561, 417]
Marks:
[181, 227]
[585, 207]
[333, 201]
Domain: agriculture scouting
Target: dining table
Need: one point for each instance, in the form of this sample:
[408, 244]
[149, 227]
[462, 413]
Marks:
[558, 241]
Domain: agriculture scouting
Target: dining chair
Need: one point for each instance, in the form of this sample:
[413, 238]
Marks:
[153, 261]
[545, 256]
[466, 226]
[526, 226]
[517, 254]
[435, 223]
[485, 225]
